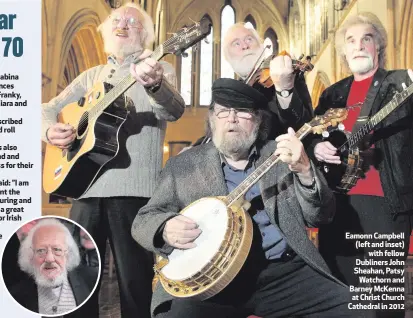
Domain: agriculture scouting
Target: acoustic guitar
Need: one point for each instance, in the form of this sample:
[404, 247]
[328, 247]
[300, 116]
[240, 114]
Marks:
[97, 118]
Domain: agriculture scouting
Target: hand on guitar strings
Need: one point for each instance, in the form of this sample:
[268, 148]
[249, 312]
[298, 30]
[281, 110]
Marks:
[281, 71]
[148, 72]
[61, 135]
[181, 232]
[326, 152]
[291, 151]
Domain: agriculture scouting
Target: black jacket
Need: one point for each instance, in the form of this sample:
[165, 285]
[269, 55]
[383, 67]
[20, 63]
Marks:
[82, 281]
[393, 136]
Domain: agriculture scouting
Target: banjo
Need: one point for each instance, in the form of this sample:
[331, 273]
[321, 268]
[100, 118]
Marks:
[341, 178]
[223, 246]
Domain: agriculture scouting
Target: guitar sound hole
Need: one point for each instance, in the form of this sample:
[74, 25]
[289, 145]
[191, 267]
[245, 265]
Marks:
[83, 124]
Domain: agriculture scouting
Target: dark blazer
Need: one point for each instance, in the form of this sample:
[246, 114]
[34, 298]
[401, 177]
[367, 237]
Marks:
[393, 136]
[82, 280]
[197, 173]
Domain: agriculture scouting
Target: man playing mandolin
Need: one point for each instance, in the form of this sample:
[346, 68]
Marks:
[107, 209]
[382, 202]
[284, 275]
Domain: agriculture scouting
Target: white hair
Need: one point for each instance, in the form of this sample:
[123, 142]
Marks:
[232, 28]
[379, 35]
[148, 28]
[26, 253]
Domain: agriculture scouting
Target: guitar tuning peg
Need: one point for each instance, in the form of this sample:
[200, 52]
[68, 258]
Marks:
[341, 127]
[206, 41]
[325, 134]
[184, 54]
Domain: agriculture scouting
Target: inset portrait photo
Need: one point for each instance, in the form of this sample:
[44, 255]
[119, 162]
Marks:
[51, 266]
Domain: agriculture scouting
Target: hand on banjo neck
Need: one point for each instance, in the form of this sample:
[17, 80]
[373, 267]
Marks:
[181, 232]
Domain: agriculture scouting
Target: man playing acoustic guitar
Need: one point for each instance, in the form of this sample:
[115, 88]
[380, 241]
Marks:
[108, 208]
[382, 202]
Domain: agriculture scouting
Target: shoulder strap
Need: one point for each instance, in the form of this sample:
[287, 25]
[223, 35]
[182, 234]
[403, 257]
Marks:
[371, 97]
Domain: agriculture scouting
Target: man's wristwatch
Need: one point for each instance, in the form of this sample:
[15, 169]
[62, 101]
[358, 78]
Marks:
[285, 92]
[155, 87]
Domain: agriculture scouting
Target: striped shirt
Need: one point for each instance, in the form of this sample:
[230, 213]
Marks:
[56, 300]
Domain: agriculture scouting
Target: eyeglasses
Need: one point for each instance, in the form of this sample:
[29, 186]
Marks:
[130, 22]
[240, 113]
[42, 252]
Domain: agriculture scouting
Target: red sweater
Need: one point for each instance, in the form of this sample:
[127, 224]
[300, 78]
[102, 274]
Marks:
[371, 185]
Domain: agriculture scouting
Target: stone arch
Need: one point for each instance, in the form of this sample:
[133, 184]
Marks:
[321, 82]
[270, 33]
[82, 46]
[250, 18]
[406, 36]
[45, 54]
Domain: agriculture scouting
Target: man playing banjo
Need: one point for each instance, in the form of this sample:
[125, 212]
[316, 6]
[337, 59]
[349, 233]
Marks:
[382, 202]
[284, 275]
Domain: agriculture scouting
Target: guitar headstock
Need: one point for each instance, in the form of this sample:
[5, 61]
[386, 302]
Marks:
[331, 117]
[187, 37]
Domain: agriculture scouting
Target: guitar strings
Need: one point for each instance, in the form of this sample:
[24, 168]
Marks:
[404, 94]
[127, 80]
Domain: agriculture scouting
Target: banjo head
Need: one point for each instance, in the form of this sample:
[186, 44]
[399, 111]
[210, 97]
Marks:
[211, 215]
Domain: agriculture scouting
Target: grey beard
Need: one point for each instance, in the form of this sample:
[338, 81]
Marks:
[44, 282]
[235, 148]
[362, 68]
[125, 51]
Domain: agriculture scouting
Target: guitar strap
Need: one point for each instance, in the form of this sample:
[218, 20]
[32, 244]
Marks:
[371, 98]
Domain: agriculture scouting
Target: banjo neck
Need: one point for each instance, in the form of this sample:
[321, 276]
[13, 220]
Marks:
[395, 102]
[253, 178]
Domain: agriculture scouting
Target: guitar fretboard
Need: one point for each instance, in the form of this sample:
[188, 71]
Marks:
[119, 89]
[261, 170]
[396, 101]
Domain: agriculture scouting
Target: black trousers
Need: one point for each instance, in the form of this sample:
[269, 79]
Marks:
[360, 214]
[271, 289]
[112, 218]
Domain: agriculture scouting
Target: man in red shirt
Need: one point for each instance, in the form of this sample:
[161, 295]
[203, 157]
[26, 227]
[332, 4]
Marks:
[383, 201]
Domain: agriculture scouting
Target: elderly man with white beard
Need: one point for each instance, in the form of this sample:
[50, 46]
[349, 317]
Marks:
[126, 183]
[284, 275]
[382, 202]
[57, 284]
[289, 99]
